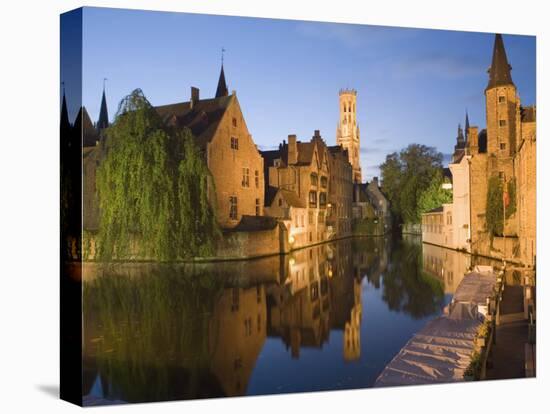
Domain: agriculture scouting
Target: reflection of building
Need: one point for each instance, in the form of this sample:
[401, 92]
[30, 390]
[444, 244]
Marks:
[445, 264]
[237, 334]
[300, 168]
[299, 311]
[352, 329]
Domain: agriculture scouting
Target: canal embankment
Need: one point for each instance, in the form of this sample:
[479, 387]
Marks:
[450, 347]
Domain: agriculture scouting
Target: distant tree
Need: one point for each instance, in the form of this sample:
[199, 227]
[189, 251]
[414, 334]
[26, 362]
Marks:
[435, 195]
[143, 182]
[494, 215]
[405, 176]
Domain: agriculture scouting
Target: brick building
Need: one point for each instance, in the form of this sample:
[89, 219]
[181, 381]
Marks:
[506, 149]
[232, 157]
[303, 170]
[340, 192]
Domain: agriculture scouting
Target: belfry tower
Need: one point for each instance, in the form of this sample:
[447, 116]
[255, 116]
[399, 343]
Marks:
[347, 132]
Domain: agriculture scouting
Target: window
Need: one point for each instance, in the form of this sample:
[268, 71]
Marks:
[257, 206]
[324, 182]
[247, 326]
[313, 198]
[234, 122]
[234, 143]
[501, 175]
[322, 199]
[257, 178]
[258, 294]
[233, 207]
[314, 179]
[501, 99]
[246, 177]
[280, 202]
[502, 122]
[502, 146]
[321, 217]
[310, 217]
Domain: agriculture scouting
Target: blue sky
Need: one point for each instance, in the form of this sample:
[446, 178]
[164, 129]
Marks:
[413, 85]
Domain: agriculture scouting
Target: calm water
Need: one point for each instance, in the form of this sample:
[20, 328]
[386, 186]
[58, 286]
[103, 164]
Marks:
[324, 318]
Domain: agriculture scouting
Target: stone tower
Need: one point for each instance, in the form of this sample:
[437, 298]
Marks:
[502, 106]
[347, 132]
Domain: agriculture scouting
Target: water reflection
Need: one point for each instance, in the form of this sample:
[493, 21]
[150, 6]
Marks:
[327, 317]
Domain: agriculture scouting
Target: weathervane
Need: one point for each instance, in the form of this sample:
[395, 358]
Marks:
[104, 79]
[223, 50]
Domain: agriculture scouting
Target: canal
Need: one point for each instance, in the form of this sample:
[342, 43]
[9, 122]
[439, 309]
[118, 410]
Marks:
[323, 318]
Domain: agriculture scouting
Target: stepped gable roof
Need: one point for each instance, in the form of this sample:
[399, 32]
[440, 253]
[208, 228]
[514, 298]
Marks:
[528, 114]
[202, 118]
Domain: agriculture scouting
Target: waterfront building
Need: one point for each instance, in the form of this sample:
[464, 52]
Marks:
[301, 168]
[221, 133]
[380, 203]
[339, 214]
[347, 131]
[232, 157]
[437, 226]
[506, 149]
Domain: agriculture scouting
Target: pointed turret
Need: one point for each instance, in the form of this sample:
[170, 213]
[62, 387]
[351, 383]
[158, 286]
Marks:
[103, 121]
[65, 124]
[499, 72]
[460, 137]
[222, 87]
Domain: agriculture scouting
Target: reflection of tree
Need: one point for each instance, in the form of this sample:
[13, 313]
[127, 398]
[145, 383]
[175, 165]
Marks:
[408, 289]
[149, 335]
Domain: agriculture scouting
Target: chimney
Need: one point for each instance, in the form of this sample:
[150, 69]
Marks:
[292, 150]
[316, 134]
[194, 96]
[375, 181]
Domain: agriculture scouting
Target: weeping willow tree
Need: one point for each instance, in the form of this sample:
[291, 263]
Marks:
[143, 186]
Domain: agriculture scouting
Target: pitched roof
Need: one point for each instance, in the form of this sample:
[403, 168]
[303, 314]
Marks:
[221, 90]
[83, 125]
[499, 72]
[202, 117]
[292, 199]
[255, 223]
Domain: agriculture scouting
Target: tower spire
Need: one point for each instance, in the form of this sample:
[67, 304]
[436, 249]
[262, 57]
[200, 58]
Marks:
[221, 90]
[103, 121]
[499, 72]
[64, 111]
[466, 126]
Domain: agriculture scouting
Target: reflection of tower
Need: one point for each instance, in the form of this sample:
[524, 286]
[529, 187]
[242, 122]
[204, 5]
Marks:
[347, 132]
[352, 330]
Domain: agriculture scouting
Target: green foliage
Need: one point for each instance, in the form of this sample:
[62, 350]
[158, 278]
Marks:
[435, 195]
[148, 173]
[473, 370]
[405, 176]
[147, 360]
[495, 211]
[512, 206]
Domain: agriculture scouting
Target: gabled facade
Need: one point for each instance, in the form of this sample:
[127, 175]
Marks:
[220, 130]
[302, 168]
